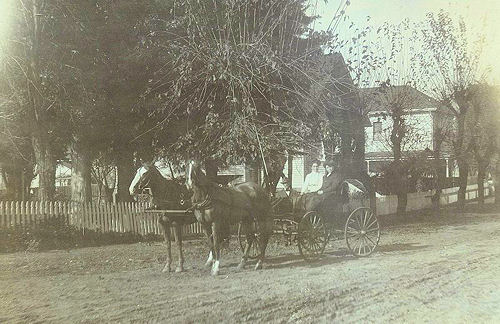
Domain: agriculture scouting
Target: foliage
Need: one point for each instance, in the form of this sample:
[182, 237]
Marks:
[237, 79]
[16, 153]
[56, 234]
[483, 123]
[450, 64]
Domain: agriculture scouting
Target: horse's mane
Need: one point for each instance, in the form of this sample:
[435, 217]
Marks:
[166, 190]
[199, 178]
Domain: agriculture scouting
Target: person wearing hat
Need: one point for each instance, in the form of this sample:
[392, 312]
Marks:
[331, 180]
[327, 196]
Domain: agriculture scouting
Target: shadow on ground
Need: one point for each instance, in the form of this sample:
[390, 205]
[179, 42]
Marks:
[399, 247]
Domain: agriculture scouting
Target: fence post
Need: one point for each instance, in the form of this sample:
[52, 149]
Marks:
[119, 217]
[12, 214]
[2, 218]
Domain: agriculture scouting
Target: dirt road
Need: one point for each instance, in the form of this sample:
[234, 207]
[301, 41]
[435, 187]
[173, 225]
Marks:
[438, 270]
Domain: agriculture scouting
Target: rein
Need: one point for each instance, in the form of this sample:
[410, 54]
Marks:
[204, 205]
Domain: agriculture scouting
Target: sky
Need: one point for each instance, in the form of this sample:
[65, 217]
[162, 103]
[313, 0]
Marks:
[481, 16]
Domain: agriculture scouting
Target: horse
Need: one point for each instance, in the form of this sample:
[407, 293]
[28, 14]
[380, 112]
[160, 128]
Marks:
[216, 207]
[167, 194]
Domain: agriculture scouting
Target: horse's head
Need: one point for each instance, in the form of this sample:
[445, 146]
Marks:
[167, 194]
[143, 178]
[196, 177]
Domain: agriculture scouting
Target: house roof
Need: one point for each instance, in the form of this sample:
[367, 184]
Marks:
[342, 95]
[341, 84]
[379, 99]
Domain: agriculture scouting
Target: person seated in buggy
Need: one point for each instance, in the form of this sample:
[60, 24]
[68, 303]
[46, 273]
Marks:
[327, 197]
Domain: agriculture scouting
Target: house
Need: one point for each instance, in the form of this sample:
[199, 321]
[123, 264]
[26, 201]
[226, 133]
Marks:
[423, 117]
[346, 120]
[342, 102]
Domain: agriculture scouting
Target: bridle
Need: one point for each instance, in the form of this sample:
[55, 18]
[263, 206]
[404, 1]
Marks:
[147, 183]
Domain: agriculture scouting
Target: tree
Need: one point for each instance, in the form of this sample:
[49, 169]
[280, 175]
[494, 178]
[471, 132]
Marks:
[237, 80]
[16, 153]
[402, 134]
[443, 128]
[450, 66]
[127, 37]
[38, 68]
[485, 131]
[392, 98]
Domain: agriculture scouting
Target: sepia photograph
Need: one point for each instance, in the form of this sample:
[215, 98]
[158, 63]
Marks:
[249, 161]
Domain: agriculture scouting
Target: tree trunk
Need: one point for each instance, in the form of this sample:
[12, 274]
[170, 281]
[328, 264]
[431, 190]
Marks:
[347, 169]
[463, 170]
[46, 166]
[11, 178]
[397, 134]
[481, 174]
[402, 189]
[402, 202]
[438, 179]
[81, 188]
[125, 174]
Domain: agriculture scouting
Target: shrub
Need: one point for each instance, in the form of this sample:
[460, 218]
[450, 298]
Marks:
[56, 234]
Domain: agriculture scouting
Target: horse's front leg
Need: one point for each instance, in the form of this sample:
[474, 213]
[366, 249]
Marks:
[178, 239]
[265, 231]
[210, 259]
[246, 234]
[264, 239]
[210, 243]
[168, 242]
[216, 249]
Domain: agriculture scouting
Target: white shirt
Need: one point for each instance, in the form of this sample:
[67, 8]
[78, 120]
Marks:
[312, 183]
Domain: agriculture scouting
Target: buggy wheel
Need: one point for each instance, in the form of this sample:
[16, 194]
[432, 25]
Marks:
[249, 238]
[312, 236]
[362, 232]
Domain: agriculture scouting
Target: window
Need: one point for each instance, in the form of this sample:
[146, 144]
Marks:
[377, 131]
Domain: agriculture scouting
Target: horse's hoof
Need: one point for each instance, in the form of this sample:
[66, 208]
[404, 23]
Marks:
[215, 268]
[258, 266]
[208, 265]
[166, 269]
[179, 269]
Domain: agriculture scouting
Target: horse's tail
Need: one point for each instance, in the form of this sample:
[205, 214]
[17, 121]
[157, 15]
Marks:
[265, 212]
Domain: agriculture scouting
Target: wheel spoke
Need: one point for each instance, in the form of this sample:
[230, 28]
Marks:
[359, 247]
[352, 221]
[358, 221]
[373, 239]
[368, 218]
[355, 242]
[366, 247]
[364, 217]
[369, 239]
[352, 224]
[374, 222]
[352, 235]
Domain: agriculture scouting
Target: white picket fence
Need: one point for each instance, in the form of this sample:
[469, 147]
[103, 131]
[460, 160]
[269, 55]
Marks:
[131, 216]
[105, 217]
[387, 205]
